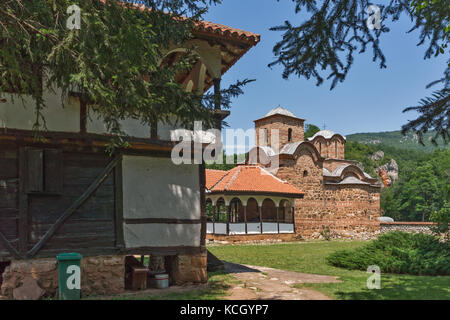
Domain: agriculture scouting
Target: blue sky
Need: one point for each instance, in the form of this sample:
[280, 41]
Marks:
[370, 100]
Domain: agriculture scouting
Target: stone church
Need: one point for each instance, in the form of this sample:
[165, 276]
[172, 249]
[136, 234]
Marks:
[313, 192]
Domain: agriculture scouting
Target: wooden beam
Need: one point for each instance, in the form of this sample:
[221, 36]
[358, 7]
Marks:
[165, 251]
[77, 204]
[23, 202]
[162, 221]
[118, 205]
[83, 116]
[217, 97]
[202, 178]
[9, 247]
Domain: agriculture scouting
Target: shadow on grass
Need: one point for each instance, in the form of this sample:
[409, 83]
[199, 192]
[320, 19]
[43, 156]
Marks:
[404, 287]
[237, 268]
[219, 283]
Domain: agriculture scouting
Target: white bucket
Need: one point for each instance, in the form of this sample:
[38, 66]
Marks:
[162, 281]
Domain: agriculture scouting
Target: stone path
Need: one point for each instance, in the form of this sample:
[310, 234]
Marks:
[261, 283]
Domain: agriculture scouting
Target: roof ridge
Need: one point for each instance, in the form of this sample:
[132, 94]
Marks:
[271, 174]
[235, 175]
[223, 177]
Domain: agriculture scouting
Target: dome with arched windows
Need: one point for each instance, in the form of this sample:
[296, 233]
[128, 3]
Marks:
[327, 134]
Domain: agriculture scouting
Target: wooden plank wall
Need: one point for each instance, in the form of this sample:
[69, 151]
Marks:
[89, 231]
[9, 191]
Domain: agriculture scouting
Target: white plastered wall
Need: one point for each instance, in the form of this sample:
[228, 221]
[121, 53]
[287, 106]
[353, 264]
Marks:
[157, 188]
[61, 114]
[131, 127]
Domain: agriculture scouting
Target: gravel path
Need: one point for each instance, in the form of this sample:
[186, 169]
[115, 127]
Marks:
[261, 283]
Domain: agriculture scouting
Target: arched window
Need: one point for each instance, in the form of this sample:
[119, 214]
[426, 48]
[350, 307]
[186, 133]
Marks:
[305, 174]
[336, 148]
[266, 135]
[289, 135]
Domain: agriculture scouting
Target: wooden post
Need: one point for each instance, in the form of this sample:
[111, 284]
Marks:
[293, 216]
[83, 116]
[118, 198]
[217, 102]
[228, 219]
[245, 219]
[278, 220]
[214, 218]
[260, 218]
[202, 179]
[23, 203]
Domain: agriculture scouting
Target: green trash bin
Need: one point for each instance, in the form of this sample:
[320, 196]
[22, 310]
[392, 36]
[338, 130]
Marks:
[69, 271]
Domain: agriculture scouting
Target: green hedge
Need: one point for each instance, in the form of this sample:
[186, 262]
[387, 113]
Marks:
[398, 252]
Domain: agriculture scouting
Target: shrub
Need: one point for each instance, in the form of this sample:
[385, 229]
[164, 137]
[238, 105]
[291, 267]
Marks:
[398, 252]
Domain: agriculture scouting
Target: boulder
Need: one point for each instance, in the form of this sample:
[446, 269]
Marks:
[377, 155]
[29, 290]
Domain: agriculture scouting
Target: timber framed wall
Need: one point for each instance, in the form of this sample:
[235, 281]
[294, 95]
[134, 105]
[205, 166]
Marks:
[82, 207]
[162, 205]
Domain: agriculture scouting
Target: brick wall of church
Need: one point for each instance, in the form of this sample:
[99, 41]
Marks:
[330, 148]
[338, 211]
[282, 124]
[333, 164]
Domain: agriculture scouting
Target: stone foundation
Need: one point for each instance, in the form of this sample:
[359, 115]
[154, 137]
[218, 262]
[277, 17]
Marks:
[100, 275]
[187, 269]
[285, 237]
[424, 227]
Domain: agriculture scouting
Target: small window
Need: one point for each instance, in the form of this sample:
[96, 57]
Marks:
[289, 135]
[305, 174]
[44, 171]
[266, 136]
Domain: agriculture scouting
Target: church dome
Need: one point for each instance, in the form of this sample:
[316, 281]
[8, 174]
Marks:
[280, 110]
[327, 134]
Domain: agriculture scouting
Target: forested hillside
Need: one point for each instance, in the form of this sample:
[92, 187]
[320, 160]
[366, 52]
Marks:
[397, 140]
[423, 184]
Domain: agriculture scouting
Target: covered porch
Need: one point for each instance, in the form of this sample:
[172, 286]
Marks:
[249, 215]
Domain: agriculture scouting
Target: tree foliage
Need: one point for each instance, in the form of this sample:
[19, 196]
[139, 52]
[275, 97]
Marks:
[311, 130]
[325, 44]
[110, 60]
[442, 219]
[423, 184]
[398, 252]
[422, 189]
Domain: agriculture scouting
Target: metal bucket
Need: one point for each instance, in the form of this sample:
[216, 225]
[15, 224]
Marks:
[162, 281]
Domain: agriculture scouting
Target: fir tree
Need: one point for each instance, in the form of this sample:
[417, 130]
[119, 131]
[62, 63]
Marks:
[325, 44]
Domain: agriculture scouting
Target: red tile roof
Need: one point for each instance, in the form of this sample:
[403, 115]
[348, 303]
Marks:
[213, 176]
[253, 179]
[214, 28]
[227, 32]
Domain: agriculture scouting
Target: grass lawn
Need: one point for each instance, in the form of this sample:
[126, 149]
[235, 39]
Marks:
[310, 257]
